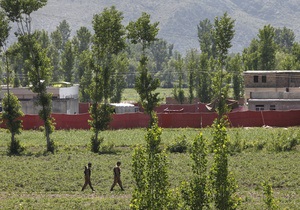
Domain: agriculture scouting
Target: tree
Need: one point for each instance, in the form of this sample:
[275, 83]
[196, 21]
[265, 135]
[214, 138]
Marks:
[195, 194]
[250, 56]
[55, 55]
[4, 26]
[149, 168]
[37, 63]
[85, 75]
[68, 62]
[120, 65]
[267, 48]
[11, 105]
[284, 38]
[224, 186]
[223, 34]
[235, 68]
[160, 52]
[84, 38]
[191, 66]
[204, 79]
[64, 29]
[206, 38]
[178, 64]
[109, 40]
[11, 115]
[144, 33]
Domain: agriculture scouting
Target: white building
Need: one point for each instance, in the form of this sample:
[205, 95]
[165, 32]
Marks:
[64, 99]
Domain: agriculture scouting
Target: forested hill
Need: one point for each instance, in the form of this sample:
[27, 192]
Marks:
[178, 18]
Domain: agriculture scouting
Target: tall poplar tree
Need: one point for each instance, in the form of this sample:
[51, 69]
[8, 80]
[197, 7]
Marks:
[266, 48]
[10, 103]
[144, 33]
[223, 183]
[108, 41]
[37, 62]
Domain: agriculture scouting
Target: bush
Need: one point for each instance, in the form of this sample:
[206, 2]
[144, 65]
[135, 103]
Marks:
[283, 141]
[180, 145]
[236, 144]
[108, 149]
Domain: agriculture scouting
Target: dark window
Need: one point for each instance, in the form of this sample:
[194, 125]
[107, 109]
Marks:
[255, 79]
[272, 107]
[264, 79]
[259, 107]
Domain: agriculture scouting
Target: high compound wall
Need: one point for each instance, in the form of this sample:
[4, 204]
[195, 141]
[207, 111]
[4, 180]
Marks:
[172, 120]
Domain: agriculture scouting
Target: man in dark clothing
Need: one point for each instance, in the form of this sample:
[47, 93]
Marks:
[117, 177]
[87, 177]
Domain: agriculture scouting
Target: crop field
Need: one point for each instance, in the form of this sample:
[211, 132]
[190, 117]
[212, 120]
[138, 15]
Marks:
[38, 180]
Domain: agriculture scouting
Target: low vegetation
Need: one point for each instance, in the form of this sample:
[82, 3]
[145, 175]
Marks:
[40, 180]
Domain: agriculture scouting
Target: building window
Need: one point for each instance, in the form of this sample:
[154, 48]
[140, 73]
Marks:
[264, 79]
[255, 79]
[259, 107]
[272, 107]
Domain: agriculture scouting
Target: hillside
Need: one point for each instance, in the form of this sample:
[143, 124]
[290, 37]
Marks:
[178, 18]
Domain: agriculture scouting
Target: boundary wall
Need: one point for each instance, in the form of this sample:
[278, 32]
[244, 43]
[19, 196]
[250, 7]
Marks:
[172, 120]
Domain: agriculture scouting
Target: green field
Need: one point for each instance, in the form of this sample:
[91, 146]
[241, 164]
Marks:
[35, 180]
[130, 94]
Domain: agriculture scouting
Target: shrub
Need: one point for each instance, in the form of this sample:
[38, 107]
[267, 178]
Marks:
[269, 199]
[108, 149]
[283, 141]
[236, 144]
[180, 145]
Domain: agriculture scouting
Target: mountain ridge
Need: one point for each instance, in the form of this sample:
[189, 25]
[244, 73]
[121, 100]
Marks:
[178, 18]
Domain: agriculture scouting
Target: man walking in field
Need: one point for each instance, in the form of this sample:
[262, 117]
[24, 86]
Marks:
[87, 177]
[117, 177]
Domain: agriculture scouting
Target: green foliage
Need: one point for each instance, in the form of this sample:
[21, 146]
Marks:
[204, 79]
[180, 145]
[11, 115]
[235, 68]
[266, 48]
[15, 147]
[192, 63]
[224, 186]
[95, 143]
[223, 34]
[34, 184]
[196, 194]
[149, 168]
[236, 144]
[101, 115]
[142, 31]
[283, 141]
[206, 38]
[269, 199]
[4, 29]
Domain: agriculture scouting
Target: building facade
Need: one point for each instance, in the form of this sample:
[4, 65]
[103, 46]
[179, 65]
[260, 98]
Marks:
[272, 90]
[64, 99]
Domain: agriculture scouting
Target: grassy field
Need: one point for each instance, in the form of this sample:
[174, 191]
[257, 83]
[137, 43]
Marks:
[36, 180]
[130, 94]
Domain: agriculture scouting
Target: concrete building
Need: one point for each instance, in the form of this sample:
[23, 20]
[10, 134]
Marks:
[121, 108]
[64, 99]
[272, 90]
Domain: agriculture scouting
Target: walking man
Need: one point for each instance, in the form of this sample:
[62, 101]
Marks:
[117, 177]
[87, 177]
